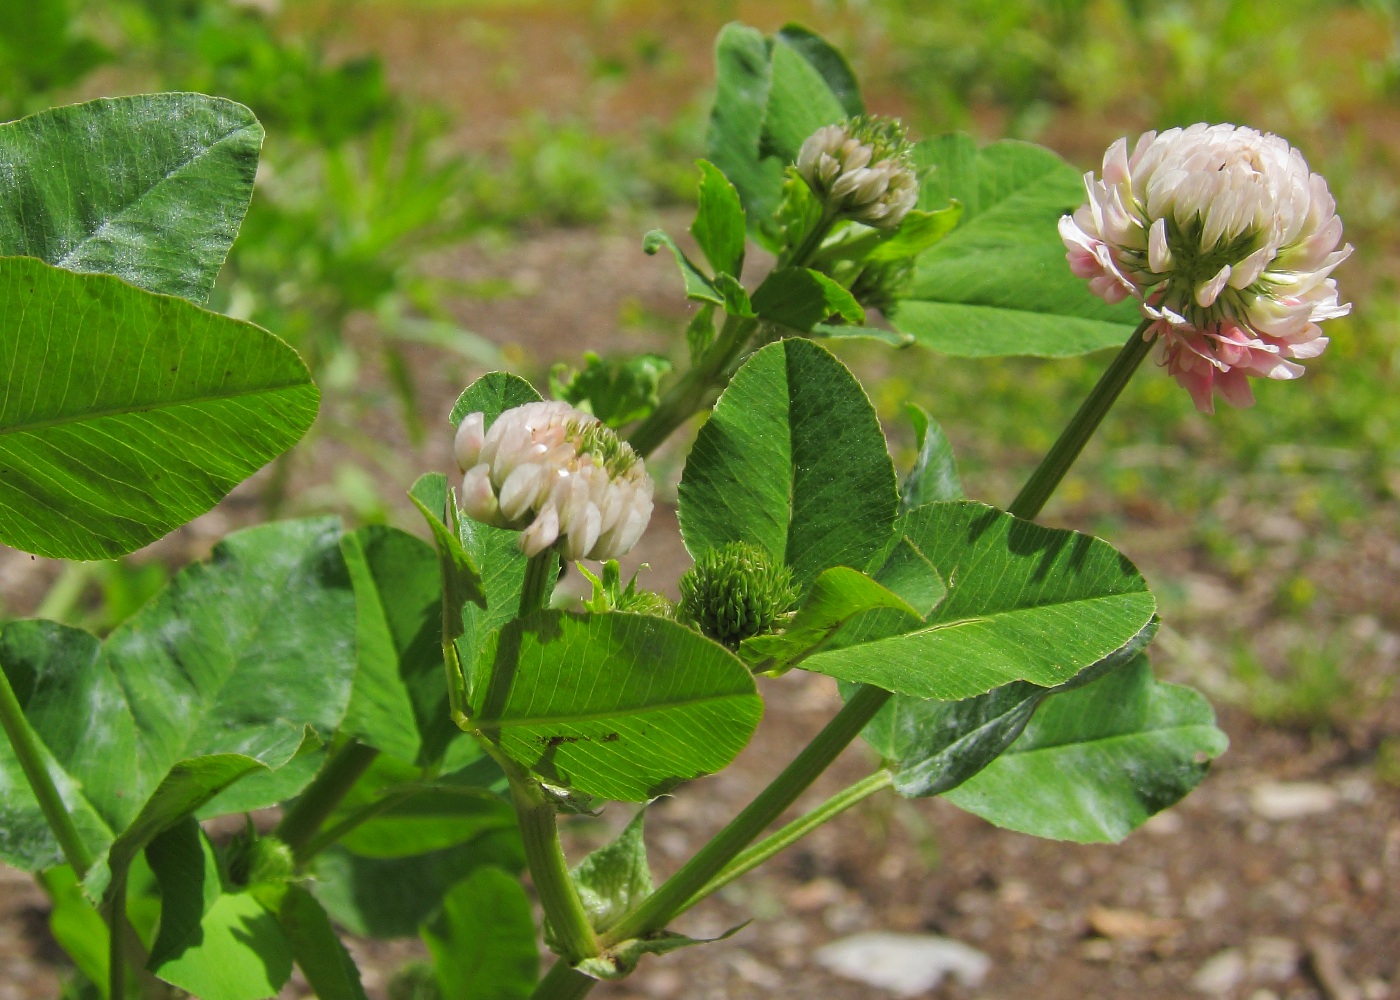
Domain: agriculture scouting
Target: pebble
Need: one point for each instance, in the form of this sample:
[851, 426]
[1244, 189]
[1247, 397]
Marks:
[1292, 800]
[1221, 973]
[905, 964]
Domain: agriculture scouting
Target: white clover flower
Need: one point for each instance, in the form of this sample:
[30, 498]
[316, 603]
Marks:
[1227, 240]
[862, 170]
[558, 474]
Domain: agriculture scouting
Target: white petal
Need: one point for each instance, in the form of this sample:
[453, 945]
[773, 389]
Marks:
[466, 446]
[1159, 255]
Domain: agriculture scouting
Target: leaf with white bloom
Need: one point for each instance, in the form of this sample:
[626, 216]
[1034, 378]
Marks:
[1097, 762]
[225, 668]
[150, 188]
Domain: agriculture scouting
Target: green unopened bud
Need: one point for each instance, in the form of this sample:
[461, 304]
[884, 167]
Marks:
[734, 592]
[253, 859]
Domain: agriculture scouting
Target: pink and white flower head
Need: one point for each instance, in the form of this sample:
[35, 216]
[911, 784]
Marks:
[1227, 240]
[862, 170]
[557, 474]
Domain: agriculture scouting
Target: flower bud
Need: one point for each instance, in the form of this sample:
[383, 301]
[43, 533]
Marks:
[557, 474]
[862, 170]
[734, 592]
[1227, 241]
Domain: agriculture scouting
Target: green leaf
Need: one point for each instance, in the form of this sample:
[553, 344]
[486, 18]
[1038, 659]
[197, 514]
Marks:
[323, 960]
[999, 284]
[239, 953]
[698, 287]
[800, 298]
[1095, 763]
[189, 785]
[187, 872]
[700, 332]
[261, 789]
[934, 476]
[1024, 603]
[615, 877]
[76, 925]
[837, 596]
[799, 103]
[386, 898]
[719, 226]
[620, 706]
[493, 394]
[461, 580]
[793, 460]
[434, 819]
[399, 701]
[743, 79]
[150, 188]
[128, 414]
[483, 939]
[919, 231]
[827, 60]
[616, 391]
[233, 660]
[933, 746]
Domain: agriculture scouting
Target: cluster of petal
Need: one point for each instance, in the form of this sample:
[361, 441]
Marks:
[862, 170]
[559, 475]
[1227, 240]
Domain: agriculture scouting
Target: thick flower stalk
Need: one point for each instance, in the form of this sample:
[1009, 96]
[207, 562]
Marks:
[861, 170]
[1227, 240]
[558, 474]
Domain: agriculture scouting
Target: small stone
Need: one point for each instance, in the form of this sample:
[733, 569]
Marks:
[751, 970]
[905, 964]
[1164, 824]
[1097, 950]
[1205, 900]
[1221, 973]
[1273, 959]
[814, 895]
[1131, 924]
[1292, 800]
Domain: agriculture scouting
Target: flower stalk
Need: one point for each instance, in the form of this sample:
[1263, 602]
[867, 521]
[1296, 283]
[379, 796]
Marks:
[1086, 419]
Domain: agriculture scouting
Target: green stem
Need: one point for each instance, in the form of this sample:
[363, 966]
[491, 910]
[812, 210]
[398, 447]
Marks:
[803, 253]
[359, 817]
[31, 760]
[784, 838]
[304, 819]
[115, 905]
[1086, 419]
[534, 592]
[676, 892]
[563, 982]
[693, 389]
[550, 871]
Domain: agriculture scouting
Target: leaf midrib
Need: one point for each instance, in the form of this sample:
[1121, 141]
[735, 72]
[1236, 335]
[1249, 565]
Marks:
[604, 716]
[136, 202]
[117, 411]
[1101, 741]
